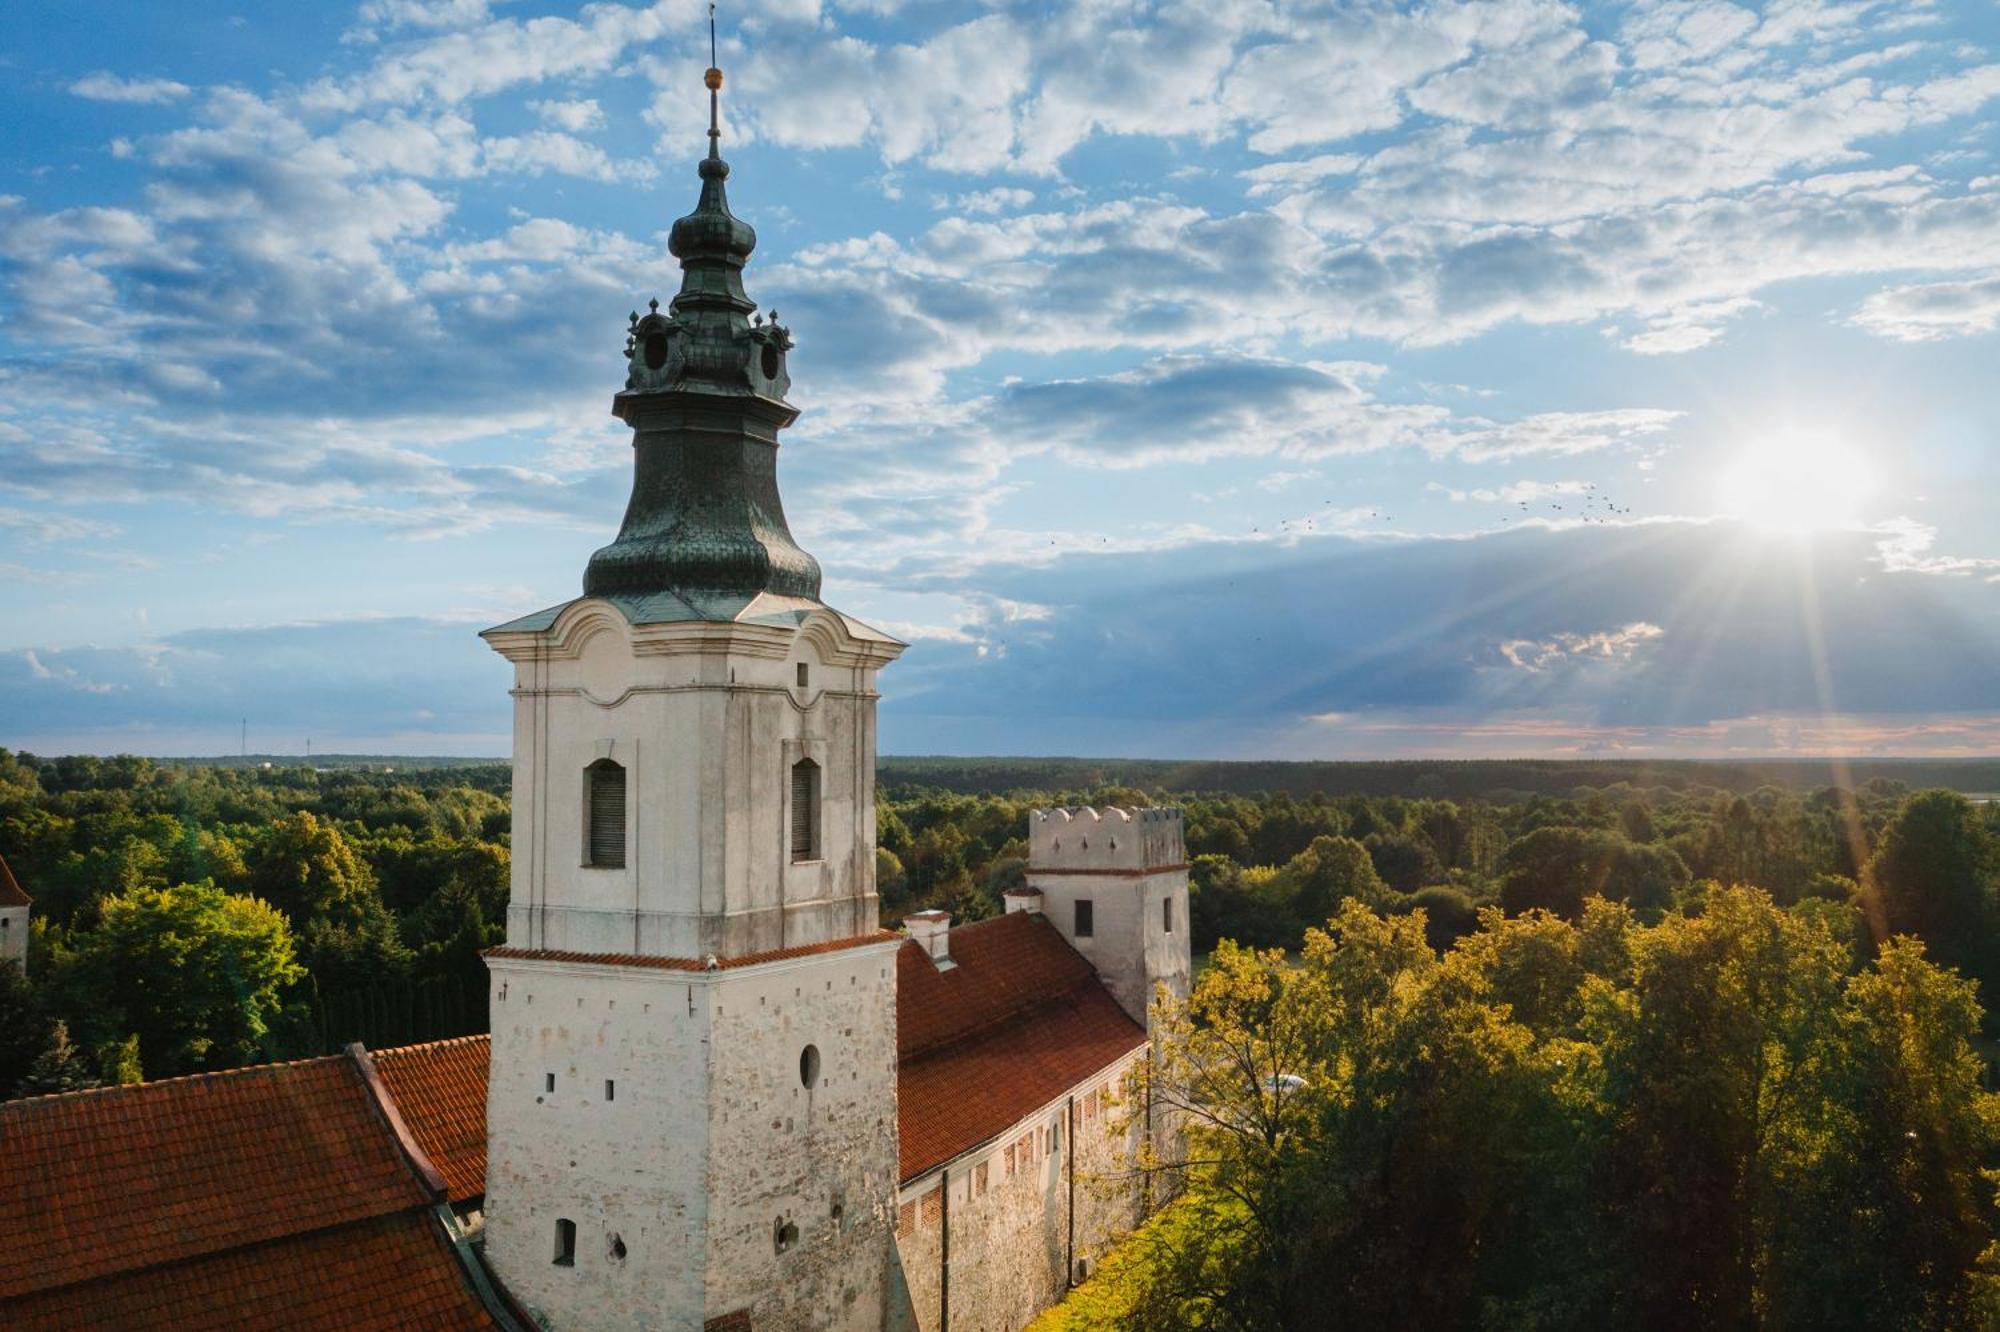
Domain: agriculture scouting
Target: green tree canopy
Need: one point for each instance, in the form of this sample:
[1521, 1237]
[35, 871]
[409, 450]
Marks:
[1720, 1120]
[194, 972]
[1932, 876]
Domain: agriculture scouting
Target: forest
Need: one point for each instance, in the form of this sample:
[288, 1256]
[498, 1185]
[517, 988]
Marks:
[1567, 1039]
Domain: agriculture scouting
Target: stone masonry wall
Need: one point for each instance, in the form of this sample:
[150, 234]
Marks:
[680, 1175]
[1010, 1247]
[820, 1159]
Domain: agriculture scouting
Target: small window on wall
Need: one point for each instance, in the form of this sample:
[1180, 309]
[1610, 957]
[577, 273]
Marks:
[604, 819]
[1086, 918]
[804, 675]
[805, 810]
[565, 1242]
[1167, 914]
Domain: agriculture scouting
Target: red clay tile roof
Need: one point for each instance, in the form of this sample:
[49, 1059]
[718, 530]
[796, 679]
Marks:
[440, 1089]
[1020, 1019]
[394, 1271]
[688, 963]
[123, 1205]
[10, 891]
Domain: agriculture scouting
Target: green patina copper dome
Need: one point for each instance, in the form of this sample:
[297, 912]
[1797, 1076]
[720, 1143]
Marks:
[704, 394]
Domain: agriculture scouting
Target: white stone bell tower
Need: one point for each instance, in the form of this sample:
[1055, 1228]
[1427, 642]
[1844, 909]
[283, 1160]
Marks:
[692, 1109]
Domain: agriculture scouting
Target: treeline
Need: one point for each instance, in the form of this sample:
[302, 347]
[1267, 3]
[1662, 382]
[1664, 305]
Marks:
[194, 917]
[1266, 867]
[1498, 781]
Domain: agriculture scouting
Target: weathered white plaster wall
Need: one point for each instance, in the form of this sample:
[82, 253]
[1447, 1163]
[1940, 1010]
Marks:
[14, 934]
[634, 1167]
[1011, 1251]
[709, 1143]
[1129, 865]
[707, 721]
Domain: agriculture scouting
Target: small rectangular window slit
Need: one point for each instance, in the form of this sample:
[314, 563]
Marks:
[610, 1090]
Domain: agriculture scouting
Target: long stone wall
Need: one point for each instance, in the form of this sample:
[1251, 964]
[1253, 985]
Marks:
[1005, 1210]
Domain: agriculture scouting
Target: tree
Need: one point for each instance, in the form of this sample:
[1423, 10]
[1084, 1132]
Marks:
[1932, 876]
[1448, 915]
[194, 972]
[307, 869]
[1552, 869]
[59, 1068]
[24, 1030]
[348, 938]
[1556, 1124]
[1405, 864]
[1556, 868]
[1330, 871]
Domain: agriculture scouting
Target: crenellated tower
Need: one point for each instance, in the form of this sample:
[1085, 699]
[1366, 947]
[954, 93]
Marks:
[691, 1108]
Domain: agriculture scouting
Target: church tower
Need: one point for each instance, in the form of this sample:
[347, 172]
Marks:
[692, 1103]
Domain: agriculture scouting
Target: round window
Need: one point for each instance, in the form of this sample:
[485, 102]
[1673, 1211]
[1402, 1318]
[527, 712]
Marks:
[809, 1066]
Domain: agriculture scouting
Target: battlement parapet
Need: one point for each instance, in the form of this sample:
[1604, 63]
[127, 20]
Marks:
[1105, 840]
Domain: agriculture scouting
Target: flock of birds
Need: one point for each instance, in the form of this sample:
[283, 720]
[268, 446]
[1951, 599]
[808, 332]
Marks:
[1606, 509]
[1593, 507]
[1590, 505]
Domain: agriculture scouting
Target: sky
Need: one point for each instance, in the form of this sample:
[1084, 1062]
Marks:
[1250, 378]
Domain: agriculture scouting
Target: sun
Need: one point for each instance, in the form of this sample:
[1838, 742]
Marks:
[1796, 483]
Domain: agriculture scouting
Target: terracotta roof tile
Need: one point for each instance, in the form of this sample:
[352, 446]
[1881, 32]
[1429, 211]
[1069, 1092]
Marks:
[1003, 965]
[1019, 1020]
[105, 1181]
[440, 1089]
[10, 891]
[394, 1271]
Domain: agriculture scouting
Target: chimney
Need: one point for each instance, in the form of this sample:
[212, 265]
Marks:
[1022, 899]
[931, 930]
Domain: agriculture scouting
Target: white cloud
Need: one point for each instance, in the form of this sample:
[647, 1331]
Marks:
[574, 116]
[1001, 199]
[1605, 645]
[1925, 312]
[104, 86]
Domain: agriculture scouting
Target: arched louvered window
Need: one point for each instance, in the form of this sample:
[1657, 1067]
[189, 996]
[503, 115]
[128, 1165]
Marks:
[604, 816]
[805, 810]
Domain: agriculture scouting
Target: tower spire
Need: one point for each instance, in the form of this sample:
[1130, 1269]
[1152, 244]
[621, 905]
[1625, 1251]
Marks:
[713, 78]
[704, 394]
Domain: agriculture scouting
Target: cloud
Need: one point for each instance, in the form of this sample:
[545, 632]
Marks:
[1564, 649]
[1926, 312]
[48, 528]
[105, 86]
[574, 116]
[402, 684]
[481, 59]
[1230, 647]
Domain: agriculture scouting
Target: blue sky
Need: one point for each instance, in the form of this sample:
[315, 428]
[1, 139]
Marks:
[1235, 379]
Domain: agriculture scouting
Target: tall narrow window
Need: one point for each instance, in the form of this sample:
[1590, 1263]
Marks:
[805, 810]
[1167, 915]
[604, 787]
[565, 1242]
[1085, 918]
